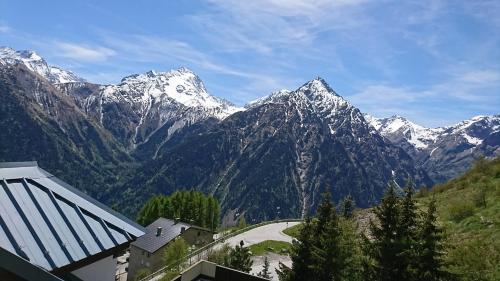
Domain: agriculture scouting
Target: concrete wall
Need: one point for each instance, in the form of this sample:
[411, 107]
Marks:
[140, 259]
[103, 269]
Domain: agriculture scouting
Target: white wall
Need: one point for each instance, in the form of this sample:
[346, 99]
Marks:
[101, 270]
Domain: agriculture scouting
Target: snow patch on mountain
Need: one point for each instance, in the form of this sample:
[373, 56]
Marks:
[37, 64]
[420, 137]
[473, 130]
[182, 86]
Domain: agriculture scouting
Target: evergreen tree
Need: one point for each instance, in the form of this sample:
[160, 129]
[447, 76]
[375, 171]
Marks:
[430, 252]
[190, 206]
[327, 259]
[387, 244]
[348, 207]
[408, 227]
[265, 270]
[301, 256]
[239, 258]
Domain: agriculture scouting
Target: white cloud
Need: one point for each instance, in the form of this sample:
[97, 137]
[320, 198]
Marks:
[4, 28]
[81, 52]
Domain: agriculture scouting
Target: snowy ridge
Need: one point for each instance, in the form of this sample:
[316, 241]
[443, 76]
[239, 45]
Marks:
[473, 131]
[420, 137]
[181, 86]
[37, 64]
[315, 95]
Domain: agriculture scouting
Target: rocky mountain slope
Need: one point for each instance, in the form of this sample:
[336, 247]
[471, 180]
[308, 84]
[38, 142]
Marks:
[444, 152]
[275, 158]
[39, 123]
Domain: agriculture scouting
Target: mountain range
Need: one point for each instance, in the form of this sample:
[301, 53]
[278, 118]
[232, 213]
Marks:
[158, 132]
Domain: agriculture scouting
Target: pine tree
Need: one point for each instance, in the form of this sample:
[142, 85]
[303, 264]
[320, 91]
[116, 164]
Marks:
[430, 251]
[301, 256]
[327, 259]
[408, 227]
[240, 258]
[265, 270]
[387, 245]
[348, 207]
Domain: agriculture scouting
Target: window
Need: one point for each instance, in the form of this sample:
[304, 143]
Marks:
[199, 233]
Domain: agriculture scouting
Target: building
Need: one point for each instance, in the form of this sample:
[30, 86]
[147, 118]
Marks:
[148, 250]
[51, 231]
[208, 271]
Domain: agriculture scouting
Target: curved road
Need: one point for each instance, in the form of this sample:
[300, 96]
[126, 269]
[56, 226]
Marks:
[273, 231]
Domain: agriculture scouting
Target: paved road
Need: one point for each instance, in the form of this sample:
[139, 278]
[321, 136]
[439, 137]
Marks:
[272, 231]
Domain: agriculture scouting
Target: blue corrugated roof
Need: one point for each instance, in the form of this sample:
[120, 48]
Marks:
[51, 224]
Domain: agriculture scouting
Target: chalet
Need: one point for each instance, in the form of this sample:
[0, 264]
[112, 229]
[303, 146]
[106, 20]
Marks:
[51, 231]
[148, 250]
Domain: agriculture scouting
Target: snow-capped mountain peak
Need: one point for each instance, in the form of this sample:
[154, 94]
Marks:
[396, 128]
[181, 85]
[316, 94]
[37, 64]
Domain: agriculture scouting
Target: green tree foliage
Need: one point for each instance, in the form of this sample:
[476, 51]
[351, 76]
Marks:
[189, 206]
[242, 222]
[387, 238]
[174, 252]
[429, 251]
[405, 245]
[348, 207]
[239, 258]
[327, 248]
[219, 255]
[265, 273]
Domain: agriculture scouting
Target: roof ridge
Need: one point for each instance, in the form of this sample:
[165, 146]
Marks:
[18, 164]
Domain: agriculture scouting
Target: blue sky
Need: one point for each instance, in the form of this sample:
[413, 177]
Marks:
[435, 62]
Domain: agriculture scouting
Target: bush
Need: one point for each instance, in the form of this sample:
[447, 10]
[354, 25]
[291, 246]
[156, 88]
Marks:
[458, 211]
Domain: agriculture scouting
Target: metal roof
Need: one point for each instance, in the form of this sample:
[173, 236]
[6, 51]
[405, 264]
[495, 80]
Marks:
[51, 224]
[170, 229]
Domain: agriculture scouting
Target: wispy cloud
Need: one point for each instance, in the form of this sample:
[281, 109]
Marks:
[4, 28]
[473, 88]
[83, 52]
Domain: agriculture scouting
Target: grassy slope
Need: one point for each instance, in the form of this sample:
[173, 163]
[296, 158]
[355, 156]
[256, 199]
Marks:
[472, 228]
[278, 247]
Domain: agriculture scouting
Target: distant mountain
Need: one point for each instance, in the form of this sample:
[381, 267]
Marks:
[37, 64]
[154, 102]
[444, 152]
[275, 158]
